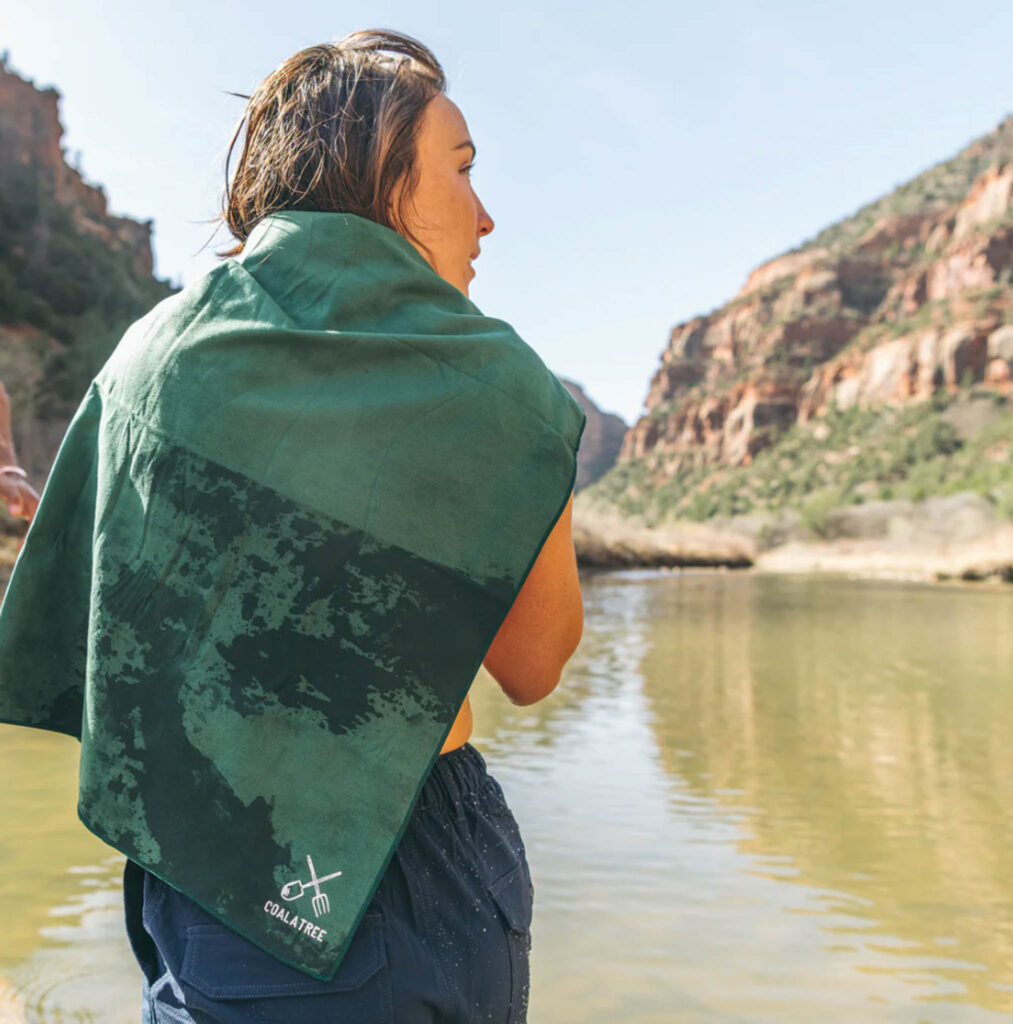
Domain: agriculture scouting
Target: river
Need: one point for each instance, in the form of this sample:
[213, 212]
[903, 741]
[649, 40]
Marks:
[752, 799]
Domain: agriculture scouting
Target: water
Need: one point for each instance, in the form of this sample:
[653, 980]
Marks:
[752, 799]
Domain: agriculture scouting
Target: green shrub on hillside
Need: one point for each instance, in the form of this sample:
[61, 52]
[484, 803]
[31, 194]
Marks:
[882, 453]
[69, 284]
[815, 510]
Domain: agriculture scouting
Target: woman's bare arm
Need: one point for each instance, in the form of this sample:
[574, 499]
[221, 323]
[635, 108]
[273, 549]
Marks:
[545, 623]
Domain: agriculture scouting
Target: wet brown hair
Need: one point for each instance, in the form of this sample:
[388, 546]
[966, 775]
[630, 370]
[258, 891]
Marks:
[333, 128]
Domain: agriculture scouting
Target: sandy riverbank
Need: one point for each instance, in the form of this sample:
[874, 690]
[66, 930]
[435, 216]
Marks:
[956, 537]
[606, 540]
[986, 558]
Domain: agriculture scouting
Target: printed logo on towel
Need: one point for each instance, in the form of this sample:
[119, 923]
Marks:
[295, 890]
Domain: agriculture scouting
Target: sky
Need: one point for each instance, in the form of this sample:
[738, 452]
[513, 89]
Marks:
[638, 159]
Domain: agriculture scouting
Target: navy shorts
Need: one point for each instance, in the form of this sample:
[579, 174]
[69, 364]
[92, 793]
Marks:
[446, 937]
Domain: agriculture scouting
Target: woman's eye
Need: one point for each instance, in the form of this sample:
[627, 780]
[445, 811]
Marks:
[468, 169]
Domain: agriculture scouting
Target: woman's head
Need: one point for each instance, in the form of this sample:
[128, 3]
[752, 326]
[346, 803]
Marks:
[362, 126]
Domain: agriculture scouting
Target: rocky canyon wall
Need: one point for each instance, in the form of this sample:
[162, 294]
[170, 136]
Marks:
[72, 274]
[910, 297]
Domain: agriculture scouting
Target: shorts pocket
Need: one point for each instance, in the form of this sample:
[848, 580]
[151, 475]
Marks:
[495, 800]
[513, 895]
[228, 978]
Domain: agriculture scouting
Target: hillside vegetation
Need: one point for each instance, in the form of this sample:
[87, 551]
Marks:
[848, 457]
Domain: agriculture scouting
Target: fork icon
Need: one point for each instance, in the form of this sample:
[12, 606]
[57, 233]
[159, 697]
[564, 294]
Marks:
[320, 903]
[294, 890]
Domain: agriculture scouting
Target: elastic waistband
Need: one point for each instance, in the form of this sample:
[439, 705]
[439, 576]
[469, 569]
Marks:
[462, 770]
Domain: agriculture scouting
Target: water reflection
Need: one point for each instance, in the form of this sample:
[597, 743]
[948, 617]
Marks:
[863, 730]
[82, 969]
[63, 952]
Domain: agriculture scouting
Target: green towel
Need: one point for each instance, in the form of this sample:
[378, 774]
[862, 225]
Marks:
[279, 537]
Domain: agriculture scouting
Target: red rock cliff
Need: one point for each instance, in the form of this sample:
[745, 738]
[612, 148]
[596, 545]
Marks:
[910, 294]
[72, 275]
[30, 136]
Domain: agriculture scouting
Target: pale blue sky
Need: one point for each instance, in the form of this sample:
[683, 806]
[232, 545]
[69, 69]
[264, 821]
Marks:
[639, 159]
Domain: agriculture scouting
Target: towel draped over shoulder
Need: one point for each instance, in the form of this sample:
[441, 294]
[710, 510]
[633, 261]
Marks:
[280, 535]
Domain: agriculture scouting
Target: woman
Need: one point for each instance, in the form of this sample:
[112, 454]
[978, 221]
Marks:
[397, 151]
[305, 499]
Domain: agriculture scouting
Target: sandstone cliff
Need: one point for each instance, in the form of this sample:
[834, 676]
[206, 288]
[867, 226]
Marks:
[908, 303]
[72, 275]
[30, 135]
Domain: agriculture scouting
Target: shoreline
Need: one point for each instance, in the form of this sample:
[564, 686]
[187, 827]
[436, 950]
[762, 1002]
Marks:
[985, 559]
[816, 567]
[605, 541]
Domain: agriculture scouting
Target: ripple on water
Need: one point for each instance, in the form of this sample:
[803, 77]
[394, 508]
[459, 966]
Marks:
[83, 969]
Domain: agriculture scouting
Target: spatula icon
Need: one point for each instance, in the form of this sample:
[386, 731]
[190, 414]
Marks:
[295, 889]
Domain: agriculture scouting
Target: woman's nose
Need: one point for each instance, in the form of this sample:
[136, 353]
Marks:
[485, 222]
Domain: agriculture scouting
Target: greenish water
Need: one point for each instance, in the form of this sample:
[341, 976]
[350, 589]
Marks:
[752, 799]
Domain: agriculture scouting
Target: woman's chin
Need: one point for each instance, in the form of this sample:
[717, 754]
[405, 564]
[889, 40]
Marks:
[462, 281]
